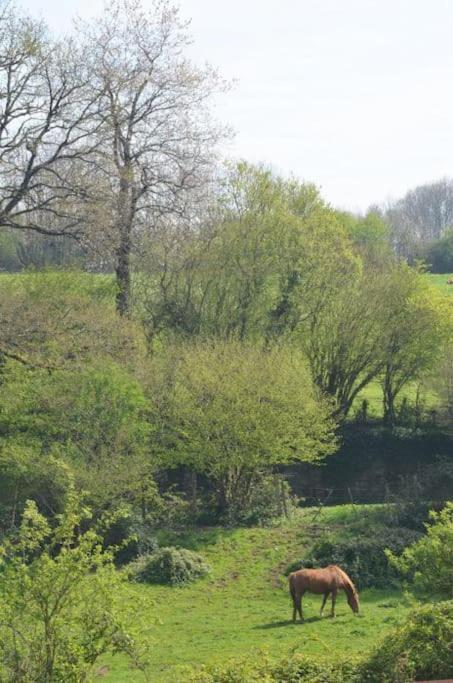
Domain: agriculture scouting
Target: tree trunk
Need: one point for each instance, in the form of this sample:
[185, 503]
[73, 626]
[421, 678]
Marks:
[123, 272]
[389, 406]
[123, 252]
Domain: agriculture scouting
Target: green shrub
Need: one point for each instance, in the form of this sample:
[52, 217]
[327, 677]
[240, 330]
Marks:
[295, 669]
[364, 560]
[62, 603]
[269, 498]
[429, 561]
[168, 566]
[420, 649]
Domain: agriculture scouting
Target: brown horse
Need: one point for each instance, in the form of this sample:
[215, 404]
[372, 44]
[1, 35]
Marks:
[328, 581]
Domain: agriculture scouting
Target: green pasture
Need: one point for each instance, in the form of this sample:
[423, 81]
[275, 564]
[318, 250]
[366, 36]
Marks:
[372, 393]
[243, 607]
[440, 281]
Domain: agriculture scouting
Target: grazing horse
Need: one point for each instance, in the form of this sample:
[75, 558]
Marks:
[327, 581]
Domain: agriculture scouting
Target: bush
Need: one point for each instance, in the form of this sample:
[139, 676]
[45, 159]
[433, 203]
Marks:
[429, 561]
[420, 649]
[131, 536]
[295, 669]
[62, 602]
[172, 566]
[364, 560]
[269, 498]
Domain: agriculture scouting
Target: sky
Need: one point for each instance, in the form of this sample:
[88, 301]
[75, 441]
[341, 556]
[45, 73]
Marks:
[353, 95]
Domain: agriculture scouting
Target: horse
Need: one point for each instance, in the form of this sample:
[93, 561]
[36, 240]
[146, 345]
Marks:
[328, 581]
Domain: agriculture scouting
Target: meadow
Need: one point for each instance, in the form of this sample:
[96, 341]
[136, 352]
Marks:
[243, 608]
[440, 281]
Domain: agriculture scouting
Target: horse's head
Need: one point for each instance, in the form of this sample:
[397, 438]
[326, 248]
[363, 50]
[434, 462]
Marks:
[353, 600]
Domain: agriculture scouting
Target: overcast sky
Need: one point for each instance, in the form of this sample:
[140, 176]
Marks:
[354, 95]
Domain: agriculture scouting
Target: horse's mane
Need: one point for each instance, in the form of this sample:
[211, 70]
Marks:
[348, 584]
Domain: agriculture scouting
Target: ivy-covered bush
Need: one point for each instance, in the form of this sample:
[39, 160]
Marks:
[420, 649]
[364, 559]
[172, 566]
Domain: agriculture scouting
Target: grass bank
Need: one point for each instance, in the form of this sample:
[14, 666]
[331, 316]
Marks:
[243, 607]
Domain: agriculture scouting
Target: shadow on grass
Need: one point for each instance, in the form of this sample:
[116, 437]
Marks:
[288, 622]
[193, 539]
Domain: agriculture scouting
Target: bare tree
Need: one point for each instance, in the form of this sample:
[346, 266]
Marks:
[157, 137]
[46, 124]
[424, 214]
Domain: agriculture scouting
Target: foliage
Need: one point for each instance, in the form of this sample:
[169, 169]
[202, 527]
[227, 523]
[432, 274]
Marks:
[363, 559]
[439, 254]
[233, 275]
[231, 410]
[270, 498]
[172, 566]
[420, 649]
[95, 420]
[294, 669]
[9, 260]
[417, 326]
[429, 561]
[371, 237]
[441, 380]
[60, 600]
[60, 319]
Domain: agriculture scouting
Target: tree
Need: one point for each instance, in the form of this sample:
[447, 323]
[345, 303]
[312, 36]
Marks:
[92, 420]
[439, 254]
[233, 274]
[370, 236]
[157, 139]
[55, 320]
[417, 324]
[429, 561]
[60, 599]
[441, 381]
[421, 216]
[46, 127]
[231, 411]
[340, 333]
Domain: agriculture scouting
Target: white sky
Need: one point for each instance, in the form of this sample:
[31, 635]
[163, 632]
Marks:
[354, 95]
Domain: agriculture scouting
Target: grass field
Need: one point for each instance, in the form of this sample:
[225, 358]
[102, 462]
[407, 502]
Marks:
[243, 607]
[440, 281]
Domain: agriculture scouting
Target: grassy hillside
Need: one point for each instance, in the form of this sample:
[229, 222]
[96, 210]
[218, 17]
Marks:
[243, 607]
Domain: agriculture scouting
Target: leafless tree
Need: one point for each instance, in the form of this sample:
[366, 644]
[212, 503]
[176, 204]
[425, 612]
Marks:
[157, 138]
[421, 216]
[46, 123]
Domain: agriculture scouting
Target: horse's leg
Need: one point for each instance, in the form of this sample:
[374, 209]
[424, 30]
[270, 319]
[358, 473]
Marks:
[294, 607]
[299, 605]
[334, 599]
[326, 595]
[294, 599]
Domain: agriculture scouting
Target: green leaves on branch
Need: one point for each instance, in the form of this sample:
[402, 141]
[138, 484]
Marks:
[60, 600]
[230, 409]
[428, 563]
